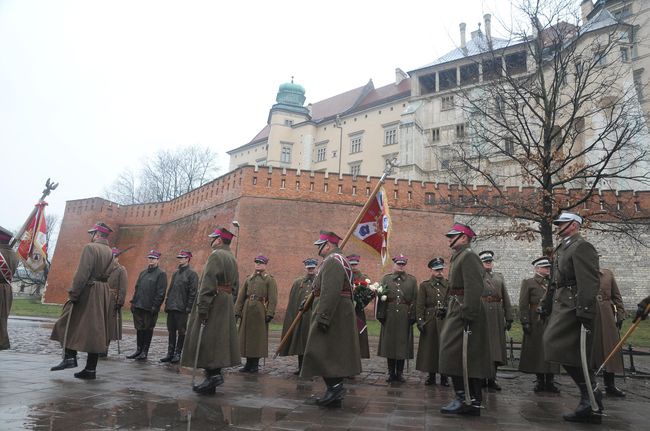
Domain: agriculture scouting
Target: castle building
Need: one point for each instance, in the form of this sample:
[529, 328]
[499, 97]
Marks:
[418, 118]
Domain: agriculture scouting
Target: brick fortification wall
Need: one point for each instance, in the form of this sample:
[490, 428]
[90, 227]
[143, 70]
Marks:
[281, 211]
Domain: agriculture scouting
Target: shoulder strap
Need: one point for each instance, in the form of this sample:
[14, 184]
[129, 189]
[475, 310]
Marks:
[5, 271]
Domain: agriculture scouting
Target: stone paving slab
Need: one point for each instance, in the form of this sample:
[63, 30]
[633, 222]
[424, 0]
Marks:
[150, 395]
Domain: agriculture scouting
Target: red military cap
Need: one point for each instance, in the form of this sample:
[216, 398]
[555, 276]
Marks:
[222, 232]
[327, 236]
[154, 254]
[400, 259]
[184, 254]
[354, 259]
[100, 227]
[459, 228]
[116, 251]
[261, 259]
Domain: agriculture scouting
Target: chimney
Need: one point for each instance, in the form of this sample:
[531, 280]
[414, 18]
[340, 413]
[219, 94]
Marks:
[488, 27]
[462, 36]
[585, 8]
[400, 75]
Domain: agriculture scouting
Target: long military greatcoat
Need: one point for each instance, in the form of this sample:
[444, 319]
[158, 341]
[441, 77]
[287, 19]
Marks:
[91, 297]
[360, 311]
[219, 347]
[335, 351]
[299, 290]
[10, 263]
[465, 289]
[117, 282]
[532, 349]
[606, 336]
[256, 300]
[575, 271]
[398, 314]
[498, 309]
[431, 298]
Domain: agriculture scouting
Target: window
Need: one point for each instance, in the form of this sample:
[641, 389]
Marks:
[288, 122]
[355, 144]
[447, 79]
[625, 56]
[600, 58]
[516, 63]
[509, 147]
[447, 102]
[321, 153]
[638, 83]
[285, 155]
[355, 168]
[469, 74]
[435, 135]
[491, 69]
[390, 136]
[460, 131]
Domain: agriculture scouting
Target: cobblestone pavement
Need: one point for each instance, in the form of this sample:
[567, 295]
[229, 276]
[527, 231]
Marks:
[152, 395]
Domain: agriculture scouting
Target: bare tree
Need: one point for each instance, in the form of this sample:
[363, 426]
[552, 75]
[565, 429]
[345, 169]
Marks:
[165, 176]
[558, 110]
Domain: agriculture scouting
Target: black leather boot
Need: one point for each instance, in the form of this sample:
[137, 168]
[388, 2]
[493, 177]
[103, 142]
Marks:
[297, 373]
[247, 367]
[392, 376]
[70, 361]
[179, 350]
[583, 413]
[456, 405]
[209, 385]
[431, 380]
[86, 374]
[171, 347]
[138, 335]
[444, 380]
[550, 385]
[399, 370]
[146, 342]
[610, 386]
[492, 384]
[540, 383]
[333, 396]
[255, 365]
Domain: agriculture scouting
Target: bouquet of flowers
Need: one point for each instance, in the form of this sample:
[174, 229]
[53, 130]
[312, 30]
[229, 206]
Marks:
[363, 293]
[380, 290]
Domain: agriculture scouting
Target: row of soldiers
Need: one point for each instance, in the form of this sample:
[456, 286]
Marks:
[332, 344]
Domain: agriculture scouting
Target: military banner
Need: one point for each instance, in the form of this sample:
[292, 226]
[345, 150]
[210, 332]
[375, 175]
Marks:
[33, 242]
[374, 226]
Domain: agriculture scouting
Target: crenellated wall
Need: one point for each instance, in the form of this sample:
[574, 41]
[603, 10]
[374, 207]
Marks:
[281, 211]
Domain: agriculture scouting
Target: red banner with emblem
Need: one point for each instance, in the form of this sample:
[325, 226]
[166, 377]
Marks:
[374, 227]
[32, 248]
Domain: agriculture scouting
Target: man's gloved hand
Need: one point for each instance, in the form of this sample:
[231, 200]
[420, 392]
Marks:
[441, 313]
[588, 323]
[467, 325]
[508, 325]
[420, 325]
[203, 316]
[640, 312]
[302, 305]
[542, 311]
[526, 328]
[323, 327]
[267, 319]
[118, 307]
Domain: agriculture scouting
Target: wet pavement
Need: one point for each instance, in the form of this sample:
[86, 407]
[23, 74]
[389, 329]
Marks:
[151, 395]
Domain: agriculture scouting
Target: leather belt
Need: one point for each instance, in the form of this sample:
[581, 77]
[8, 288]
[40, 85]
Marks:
[399, 301]
[457, 292]
[344, 293]
[491, 298]
[533, 306]
[256, 298]
[224, 289]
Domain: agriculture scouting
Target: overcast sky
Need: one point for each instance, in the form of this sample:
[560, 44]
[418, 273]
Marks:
[89, 88]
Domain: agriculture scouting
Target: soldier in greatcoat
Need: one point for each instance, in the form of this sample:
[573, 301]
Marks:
[362, 296]
[214, 310]
[178, 305]
[86, 313]
[430, 312]
[332, 350]
[397, 316]
[609, 320]
[465, 313]
[300, 289]
[255, 308]
[117, 282]
[8, 264]
[499, 313]
[532, 348]
[575, 283]
[145, 304]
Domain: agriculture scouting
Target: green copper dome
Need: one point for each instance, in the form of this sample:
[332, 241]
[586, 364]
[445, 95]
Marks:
[291, 94]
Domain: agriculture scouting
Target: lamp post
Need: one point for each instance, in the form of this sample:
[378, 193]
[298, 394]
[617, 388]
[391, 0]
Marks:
[337, 124]
[236, 224]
